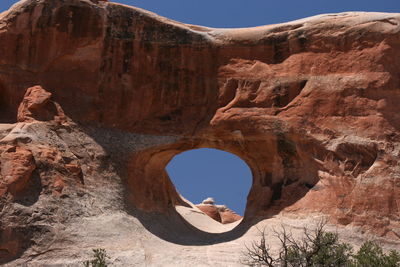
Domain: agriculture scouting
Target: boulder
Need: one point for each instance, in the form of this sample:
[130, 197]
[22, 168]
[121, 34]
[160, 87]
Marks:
[36, 105]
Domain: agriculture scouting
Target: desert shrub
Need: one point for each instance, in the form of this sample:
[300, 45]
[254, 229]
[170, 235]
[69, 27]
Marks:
[371, 254]
[316, 248]
[99, 259]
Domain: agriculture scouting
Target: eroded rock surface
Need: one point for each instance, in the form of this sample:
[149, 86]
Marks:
[310, 105]
[37, 106]
[220, 213]
[16, 169]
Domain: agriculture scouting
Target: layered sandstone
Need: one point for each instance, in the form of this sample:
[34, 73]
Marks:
[310, 105]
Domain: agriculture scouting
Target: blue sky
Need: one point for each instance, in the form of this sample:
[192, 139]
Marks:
[241, 13]
[207, 172]
[202, 173]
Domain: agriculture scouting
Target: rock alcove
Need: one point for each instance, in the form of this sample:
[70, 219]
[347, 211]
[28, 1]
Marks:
[280, 171]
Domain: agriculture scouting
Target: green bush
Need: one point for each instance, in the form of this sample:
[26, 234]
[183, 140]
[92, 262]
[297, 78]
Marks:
[99, 258]
[316, 248]
[371, 254]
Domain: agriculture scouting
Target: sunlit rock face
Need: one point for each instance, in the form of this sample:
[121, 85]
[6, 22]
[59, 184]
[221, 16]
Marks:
[310, 105]
[220, 213]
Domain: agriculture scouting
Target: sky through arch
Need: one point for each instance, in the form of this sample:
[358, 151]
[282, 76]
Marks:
[206, 172]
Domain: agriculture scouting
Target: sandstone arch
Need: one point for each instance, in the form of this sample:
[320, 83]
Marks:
[278, 169]
[311, 106]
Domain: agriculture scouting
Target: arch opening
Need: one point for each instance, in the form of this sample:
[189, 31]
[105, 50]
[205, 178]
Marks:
[215, 184]
[282, 172]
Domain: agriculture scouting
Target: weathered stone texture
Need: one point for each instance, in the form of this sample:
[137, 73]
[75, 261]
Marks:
[310, 105]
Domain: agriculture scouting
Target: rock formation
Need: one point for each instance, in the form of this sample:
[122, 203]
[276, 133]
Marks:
[16, 169]
[220, 213]
[310, 105]
[36, 106]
